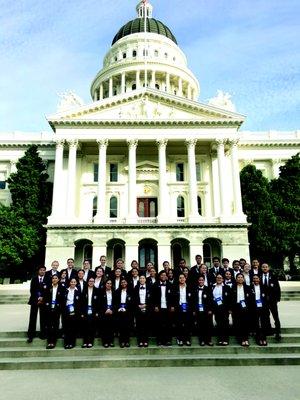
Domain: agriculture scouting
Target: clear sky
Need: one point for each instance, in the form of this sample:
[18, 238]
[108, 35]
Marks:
[249, 48]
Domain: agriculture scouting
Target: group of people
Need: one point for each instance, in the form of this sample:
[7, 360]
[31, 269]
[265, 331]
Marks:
[178, 302]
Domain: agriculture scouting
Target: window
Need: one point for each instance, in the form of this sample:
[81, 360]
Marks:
[96, 172]
[157, 86]
[95, 200]
[124, 55]
[113, 207]
[134, 53]
[198, 172]
[156, 53]
[113, 172]
[166, 55]
[179, 172]
[145, 52]
[199, 205]
[2, 184]
[133, 87]
[2, 180]
[180, 207]
[116, 59]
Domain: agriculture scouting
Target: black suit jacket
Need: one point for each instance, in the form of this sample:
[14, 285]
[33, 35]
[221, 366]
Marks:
[207, 299]
[247, 293]
[226, 298]
[212, 274]
[103, 301]
[48, 276]
[263, 297]
[73, 274]
[156, 295]
[129, 300]
[136, 297]
[95, 302]
[77, 302]
[37, 290]
[59, 298]
[273, 291]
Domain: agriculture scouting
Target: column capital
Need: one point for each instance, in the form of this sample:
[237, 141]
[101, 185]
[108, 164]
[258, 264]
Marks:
[59, 142]
[161, 142]
[191, 142]
[233, 142]
[73, 143]
[220, 142]
[132, 143]
[102, 142]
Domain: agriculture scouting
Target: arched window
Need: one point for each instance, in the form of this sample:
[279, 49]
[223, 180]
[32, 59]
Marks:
[113, 207]
[180, 207]
[124, 55]
[157, 86]
[156, 53]
[133, 87]
[199, 205]
[134, 53]
[95, 200]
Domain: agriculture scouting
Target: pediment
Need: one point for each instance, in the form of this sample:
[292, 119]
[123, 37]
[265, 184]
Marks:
[145, 105]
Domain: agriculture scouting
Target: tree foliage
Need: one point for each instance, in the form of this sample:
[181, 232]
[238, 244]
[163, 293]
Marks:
[273, 209]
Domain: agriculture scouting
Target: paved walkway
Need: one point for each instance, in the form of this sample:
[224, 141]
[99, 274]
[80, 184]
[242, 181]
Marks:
[227, 383]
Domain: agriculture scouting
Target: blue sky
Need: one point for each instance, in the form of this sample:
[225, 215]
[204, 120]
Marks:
[247, 48]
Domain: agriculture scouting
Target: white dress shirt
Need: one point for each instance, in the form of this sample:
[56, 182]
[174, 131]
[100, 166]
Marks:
[218, 291]
[109, 297]
[163, 299]
[70, 296]
[117, 283]
[182, 291]
[90, 294]
[123, 296]
[54, 293]
[240, 293]
[142, 294]
[135, 281]
[257, 292]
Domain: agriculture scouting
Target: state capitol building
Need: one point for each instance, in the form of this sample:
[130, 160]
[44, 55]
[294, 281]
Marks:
[145, 171]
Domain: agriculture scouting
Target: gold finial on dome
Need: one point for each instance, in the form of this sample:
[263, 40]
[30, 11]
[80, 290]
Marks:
[144, 9]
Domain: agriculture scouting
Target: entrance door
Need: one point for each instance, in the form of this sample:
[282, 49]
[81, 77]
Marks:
[147, 207]
[147, 252]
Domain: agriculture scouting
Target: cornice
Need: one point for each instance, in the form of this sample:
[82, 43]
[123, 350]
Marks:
[179, 226]
[271, 143]
[26, 144]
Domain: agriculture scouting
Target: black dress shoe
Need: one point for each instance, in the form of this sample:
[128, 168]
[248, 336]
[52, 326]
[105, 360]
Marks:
[278, 337]
[29, 340]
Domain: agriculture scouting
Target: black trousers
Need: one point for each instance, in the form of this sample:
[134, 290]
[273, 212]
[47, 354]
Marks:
[163, 333]
[241, 323]
[123, 326]
[89, 329]
[70, 329]
[261, 322]
[108, 328]
[273, 308]
[34, 309]
[183, 326]
[142, 326]
[222, 323]
[53, 317]
[204, 326]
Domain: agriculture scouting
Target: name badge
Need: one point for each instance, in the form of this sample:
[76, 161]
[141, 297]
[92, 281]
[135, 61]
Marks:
[219, 301]
[109, 307]
[200, 308]
[123, 306]
[243, 304]
[89, 310]
[259, 303]
[39, 294]
[71, 309]
[183, 307]
[53, 304]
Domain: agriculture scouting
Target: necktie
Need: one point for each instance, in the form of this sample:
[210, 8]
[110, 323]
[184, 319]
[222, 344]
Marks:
[162, 284]
[41, 280]
[266, 280]
[142, 287]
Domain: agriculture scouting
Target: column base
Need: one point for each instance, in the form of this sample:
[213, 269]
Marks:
[99, 220]
[194, 219]
[131, 219]
[163, 220]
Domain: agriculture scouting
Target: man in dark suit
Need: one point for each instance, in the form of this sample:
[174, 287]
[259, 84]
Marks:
[70, 270]
[142, 310]
[88, 273]
[214, 270]
[179, 269]
[195, 270]
[38, 286]
[163, 304]
[273, 293]
[52, 271]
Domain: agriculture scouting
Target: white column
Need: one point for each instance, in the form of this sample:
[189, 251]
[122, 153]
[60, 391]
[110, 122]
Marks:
[131, 253]
[196, 247]
[96, 95]
[13, 166]
[110, 88]
[71, 194]
[168, 82]
[132, 145]
[163, 254]
[221, 170]
[153, 80]
[101, 92]
[137, 80]
[163, 199]
[123, 83]
[237, 195]
[100, 217]
[179, 86]
[57, 209]
[189, 92]
[193, 203]
[98, 251]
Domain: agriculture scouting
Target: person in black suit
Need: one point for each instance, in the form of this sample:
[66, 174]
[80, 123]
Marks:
[255, 268]
[195, 270]
[90, 309]
[259, 311]
[133, 278]
[116, 278]
[99, 278]
[70, 270]
[214, 270]
[236, 268]
[81, 283]
[273, 294]
[142, 309]
[152, 278]
[202, 304]
[183, 309]
[221, 308]
[107, 270]
[107, 307]
[52, 271]
[121, 265]
[228, 279]
[163, 304]
[71, 311]
[53, 303]
[123, 310]
[179, 269]
[225, 265]
[38, 286]
[241, 302]
[88, 273]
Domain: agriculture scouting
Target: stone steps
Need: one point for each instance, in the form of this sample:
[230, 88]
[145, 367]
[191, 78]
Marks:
[16, 354]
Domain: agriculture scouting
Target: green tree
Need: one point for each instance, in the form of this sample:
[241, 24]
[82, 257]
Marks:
[286, 205]
[257, 205]
[31, 196]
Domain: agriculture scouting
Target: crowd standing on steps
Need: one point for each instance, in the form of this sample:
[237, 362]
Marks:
[220, 301]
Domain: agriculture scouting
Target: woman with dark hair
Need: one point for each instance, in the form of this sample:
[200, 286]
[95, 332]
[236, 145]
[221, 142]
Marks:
[123, 307]
[183, 311]
[99, 278]
[221, 308]
[259, 311]
[53, 303]
[107, 305]
[241, 309]
[71, 312]
[89, 313]
[142, 308]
